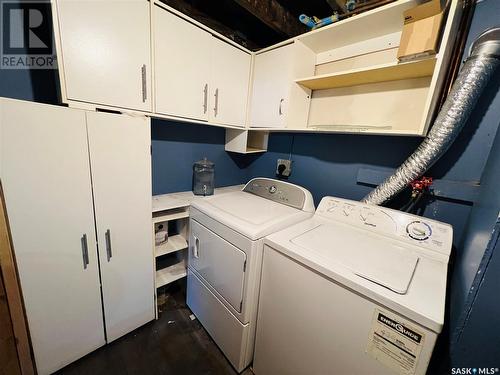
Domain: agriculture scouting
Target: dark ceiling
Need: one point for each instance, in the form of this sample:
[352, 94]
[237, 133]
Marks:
[232, 19]
[256, 24]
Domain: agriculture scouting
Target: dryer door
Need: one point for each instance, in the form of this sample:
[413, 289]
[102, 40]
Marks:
[219, 263]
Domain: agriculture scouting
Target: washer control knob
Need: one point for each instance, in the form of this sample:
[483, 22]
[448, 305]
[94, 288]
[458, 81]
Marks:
[418, 230]
[272, 189]
[347, 209]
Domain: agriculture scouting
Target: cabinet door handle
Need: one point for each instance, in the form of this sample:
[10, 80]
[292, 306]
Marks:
[205, 98]
[85, 251]
[144, 83]
[109, 252]
[280, 109]
[196, 247]
[216, 108]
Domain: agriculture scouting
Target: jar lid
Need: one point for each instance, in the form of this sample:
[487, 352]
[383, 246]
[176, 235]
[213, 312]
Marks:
[205, 163]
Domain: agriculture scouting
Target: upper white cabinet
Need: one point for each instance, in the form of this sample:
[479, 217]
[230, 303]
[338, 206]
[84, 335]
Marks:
[197, 75]
[230, 75]
[79, 172]
[182, 66]
[105, 49]
[272, 78]
[344, 77]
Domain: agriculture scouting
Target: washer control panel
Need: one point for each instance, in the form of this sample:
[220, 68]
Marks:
[414, 229]
[281, 192]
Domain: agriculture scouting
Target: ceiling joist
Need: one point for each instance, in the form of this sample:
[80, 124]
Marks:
[337, 5]
[193, 12]
[274, 15]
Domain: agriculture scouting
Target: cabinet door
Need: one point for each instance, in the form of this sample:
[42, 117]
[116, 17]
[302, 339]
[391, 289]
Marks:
[106, 52]
[271, 86]
[121, 179]
[46, 181]
[230, 75]
[182, 66]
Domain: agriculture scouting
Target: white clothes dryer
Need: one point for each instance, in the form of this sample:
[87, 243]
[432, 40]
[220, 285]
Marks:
[225, 254]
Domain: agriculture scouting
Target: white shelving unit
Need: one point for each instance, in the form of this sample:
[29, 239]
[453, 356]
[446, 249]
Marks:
[356, 83]
[171, 255]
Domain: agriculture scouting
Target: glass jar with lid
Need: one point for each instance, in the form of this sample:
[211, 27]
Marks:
[203, 177]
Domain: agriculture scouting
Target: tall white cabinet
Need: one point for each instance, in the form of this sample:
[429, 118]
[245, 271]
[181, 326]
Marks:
[66, 173]
[120, 161]
[106, 52]
[47, 185]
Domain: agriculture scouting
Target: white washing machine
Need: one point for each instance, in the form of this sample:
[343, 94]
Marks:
[225, 257]
[356, 289]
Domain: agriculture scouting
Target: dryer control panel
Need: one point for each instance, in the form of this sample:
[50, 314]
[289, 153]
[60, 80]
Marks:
[281, 192]
[410, 228]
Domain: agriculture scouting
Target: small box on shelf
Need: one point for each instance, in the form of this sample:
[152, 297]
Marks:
[161, 233]
[421, 31]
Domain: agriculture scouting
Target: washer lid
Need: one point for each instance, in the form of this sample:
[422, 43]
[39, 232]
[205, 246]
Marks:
[375, 258]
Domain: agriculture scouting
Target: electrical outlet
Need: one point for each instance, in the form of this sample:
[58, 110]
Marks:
[284, 167]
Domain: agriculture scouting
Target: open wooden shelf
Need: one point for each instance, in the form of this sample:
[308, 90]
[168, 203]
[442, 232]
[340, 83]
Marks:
[170, 274]
[171, 216]
[246, 141]
[374, 74]
[253, 150]
[173, 244]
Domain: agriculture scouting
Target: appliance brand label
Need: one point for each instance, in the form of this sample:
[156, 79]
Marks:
[400, 328]
[395, 342]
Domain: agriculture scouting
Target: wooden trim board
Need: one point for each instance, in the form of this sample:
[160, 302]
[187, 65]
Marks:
[9, 364]
[13, 292]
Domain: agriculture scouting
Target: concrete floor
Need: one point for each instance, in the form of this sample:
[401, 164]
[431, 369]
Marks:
[174, 344]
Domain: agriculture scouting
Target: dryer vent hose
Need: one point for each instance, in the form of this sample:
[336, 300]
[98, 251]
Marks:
[483, 60]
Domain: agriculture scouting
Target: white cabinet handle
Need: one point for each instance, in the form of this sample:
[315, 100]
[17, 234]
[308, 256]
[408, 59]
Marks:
[205, 98]
[109, 252]
[216, 108]
[144, 83]
[85, 251]
[196, 247]
[280, 109]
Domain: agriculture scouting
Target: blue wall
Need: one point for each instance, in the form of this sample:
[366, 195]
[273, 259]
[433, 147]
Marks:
[475, 316]
[39, 85]
[485, 210]
[176, 146]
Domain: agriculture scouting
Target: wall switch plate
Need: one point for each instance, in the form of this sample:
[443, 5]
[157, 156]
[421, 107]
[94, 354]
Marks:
[284, 167]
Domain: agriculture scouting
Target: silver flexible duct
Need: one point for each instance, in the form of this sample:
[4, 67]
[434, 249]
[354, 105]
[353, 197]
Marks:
[483, 60]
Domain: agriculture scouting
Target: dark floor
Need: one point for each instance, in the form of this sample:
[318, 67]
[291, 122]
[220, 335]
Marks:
[174, 344]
